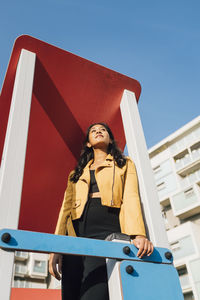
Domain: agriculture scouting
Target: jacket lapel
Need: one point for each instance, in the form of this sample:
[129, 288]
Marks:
[107, 163]
[86, 171]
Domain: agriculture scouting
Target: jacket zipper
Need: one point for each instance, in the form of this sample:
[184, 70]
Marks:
[112, 200]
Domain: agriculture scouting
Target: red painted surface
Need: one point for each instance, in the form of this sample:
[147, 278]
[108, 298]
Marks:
[69, 94]
[35, 294]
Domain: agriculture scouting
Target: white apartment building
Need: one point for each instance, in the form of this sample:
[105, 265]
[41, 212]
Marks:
[176, 165]
[30, 270]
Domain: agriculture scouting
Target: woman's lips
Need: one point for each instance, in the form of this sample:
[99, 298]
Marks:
[99, 135]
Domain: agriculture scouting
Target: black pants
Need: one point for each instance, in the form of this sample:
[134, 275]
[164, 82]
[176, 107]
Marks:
[84, 278]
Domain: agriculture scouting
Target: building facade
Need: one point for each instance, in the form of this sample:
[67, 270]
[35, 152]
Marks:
[176, 166]
[30, 270]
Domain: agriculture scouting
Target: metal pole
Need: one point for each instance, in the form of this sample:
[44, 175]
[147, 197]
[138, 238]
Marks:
[137, 150]
[13, 159]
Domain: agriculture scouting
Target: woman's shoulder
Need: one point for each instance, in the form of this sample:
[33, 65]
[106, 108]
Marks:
[130, 165]
[129, 160]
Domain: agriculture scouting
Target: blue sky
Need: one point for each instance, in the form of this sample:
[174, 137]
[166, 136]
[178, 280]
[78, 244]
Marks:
[156, 42]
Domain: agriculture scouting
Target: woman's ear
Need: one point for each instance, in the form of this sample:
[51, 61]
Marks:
[89, 145]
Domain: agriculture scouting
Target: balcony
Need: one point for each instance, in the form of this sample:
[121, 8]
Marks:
[184, 142]
[184, 278]
[186, 203]
[36, 285]
[17, 283]
[19, 255]
[187, 162]
[190, 179]
[37, 267]
[183, 247]
[183, 241]
[22, 283]
[20, 270]
[185, 281]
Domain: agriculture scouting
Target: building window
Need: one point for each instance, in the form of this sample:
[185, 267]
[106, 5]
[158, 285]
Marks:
[182, 271]
[189, 192]
[161, 186]
[157, 169]
[175, 246]
[183, 277]
[39, 266]
[20, 269]
[188, 296]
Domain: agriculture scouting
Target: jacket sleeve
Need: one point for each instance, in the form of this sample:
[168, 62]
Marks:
[131, 218]
[65, 210]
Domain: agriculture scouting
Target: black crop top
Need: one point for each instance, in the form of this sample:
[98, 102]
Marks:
[93, 184]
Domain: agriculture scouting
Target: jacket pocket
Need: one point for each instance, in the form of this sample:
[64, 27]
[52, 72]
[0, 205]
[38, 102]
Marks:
[76, 204]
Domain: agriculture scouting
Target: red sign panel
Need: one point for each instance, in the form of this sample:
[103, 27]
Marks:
[69, 94]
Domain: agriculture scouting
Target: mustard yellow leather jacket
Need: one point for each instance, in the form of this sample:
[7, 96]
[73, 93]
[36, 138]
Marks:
[118, 188]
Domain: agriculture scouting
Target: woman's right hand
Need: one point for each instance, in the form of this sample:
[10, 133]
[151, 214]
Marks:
[54, 260]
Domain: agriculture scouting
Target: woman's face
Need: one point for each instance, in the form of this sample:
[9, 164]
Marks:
[98, 137]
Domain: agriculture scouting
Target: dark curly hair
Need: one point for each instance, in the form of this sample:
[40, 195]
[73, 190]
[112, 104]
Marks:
[87, 153]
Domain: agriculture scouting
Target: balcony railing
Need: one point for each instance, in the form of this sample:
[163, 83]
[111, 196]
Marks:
[181, 163]
[20, 255]
[190, 179]
[185, 142]
[38, 269]
[20, 270]
[187, 160]
[195, 154]
[28, 284]
[186, 203]
[183, 247]
[184, 281]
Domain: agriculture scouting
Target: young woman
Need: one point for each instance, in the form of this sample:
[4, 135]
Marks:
[101, 198]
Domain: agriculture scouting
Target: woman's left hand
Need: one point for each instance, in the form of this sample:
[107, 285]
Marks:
[144, 245]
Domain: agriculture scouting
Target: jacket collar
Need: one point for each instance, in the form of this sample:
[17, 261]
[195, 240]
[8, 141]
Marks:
[109, 157]
[86, 171]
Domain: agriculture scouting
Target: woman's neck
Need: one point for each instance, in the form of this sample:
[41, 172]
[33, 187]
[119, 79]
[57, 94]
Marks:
[99, 155]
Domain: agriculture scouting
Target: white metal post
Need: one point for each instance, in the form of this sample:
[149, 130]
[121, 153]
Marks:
[137, 150]
[13, 159]
[114, 276]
